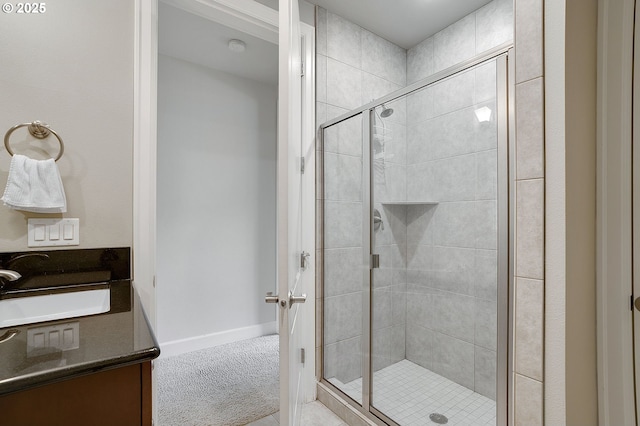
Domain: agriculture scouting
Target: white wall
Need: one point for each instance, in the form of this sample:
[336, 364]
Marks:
[216, 203]
[73, 68]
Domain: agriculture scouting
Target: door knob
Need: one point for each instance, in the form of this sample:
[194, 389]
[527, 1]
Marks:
[296, 299]
[636, 303]
[270, 298]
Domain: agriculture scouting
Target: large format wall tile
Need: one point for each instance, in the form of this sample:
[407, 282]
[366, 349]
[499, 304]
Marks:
[399, 307]
[529, 324]
[454, 93]
[486, 274]
[321, 79]
[453, 315]
[487, 225]
[487, 175]
[494, 25]
[453, 359]
[383, 58]
[530, 228]
[343, 317]
[344, 84]
[420, 61]
[419, 345]
[454, 270]
[528, 402]
[486, 133]
[485, 82]
[343, 224]
[381, 344]
[455, 224]
[342, 271]
[343, 177]
[455, 43]
[529, 39]
[389, 181]
[343, 360]
[453, 134]
[486, 324]
[485, 372]
[419, 187]
[374, 87]
[530, 129]
[454, 178]
[418, 223]
[344, 40]
[344, 137]
[394, 136]
[382, 308]
[321, 31]
[416, 312]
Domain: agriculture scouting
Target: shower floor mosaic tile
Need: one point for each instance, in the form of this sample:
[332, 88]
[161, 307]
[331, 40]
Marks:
[409, 394]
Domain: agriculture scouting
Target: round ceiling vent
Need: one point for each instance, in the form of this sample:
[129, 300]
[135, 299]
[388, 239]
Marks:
[236, 45]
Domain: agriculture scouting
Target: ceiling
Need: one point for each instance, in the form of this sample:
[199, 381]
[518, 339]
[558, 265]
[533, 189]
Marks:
[402, 22]
[204, 42]
[186, 36]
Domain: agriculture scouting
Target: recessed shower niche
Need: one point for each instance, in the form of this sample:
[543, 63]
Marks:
[415, 264]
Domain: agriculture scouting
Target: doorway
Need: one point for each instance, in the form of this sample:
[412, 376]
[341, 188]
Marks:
[216, 221]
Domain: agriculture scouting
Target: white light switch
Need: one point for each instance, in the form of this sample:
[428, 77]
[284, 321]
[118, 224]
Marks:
[40, 232]
[53, 338]
[67, 233]
[53, 232]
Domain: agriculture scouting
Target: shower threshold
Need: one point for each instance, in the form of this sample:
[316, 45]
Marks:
[409, 394]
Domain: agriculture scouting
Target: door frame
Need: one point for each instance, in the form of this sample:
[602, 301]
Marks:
[616, 401]
[257, 20]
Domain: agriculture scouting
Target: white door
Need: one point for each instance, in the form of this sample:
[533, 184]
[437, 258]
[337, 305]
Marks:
[636, 210]
[291, 259]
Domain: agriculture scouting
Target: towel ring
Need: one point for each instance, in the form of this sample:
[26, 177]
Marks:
[38, 130]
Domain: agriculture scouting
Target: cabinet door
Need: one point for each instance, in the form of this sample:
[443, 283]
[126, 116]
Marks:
[112, 397]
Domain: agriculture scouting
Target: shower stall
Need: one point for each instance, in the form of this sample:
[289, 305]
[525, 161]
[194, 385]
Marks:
[415, 249]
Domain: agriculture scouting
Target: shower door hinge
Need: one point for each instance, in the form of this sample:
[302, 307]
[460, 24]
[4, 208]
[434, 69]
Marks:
[302, 356]
[304, 260]
[302, 69]
[302, 165]
[375, 261]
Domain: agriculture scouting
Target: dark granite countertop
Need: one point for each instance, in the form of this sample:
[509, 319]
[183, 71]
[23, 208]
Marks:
[113, 339]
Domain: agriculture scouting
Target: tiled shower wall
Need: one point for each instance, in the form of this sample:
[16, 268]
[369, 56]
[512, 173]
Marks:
[452, 262]
[452, 247]
[353, 67]
[450, 271]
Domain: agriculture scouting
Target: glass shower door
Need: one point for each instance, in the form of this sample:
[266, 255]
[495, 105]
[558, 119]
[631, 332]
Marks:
[434, 296]
[343, 268]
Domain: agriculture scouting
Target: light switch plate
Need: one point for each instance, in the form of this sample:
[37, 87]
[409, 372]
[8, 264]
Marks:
[53, 232]
[53, 338]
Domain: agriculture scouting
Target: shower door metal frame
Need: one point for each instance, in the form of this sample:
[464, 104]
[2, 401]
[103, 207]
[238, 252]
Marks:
[505, 101]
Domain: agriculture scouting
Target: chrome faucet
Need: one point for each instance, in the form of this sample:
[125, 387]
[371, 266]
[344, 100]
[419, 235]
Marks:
[9, 275]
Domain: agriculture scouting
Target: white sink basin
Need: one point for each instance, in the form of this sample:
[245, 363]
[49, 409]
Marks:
[49, 307]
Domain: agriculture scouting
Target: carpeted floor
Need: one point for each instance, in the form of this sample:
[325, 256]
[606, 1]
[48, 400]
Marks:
[228, 385]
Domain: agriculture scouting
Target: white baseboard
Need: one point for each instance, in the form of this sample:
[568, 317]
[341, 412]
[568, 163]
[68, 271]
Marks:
[177, 347]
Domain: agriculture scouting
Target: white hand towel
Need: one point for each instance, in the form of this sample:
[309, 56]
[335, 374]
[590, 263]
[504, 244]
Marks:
[34, 186]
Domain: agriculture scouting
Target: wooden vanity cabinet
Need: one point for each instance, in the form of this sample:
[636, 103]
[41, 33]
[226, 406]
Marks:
[120, 396]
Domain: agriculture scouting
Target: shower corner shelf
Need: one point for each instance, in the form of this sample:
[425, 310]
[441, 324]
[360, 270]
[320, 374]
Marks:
[409, 203]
